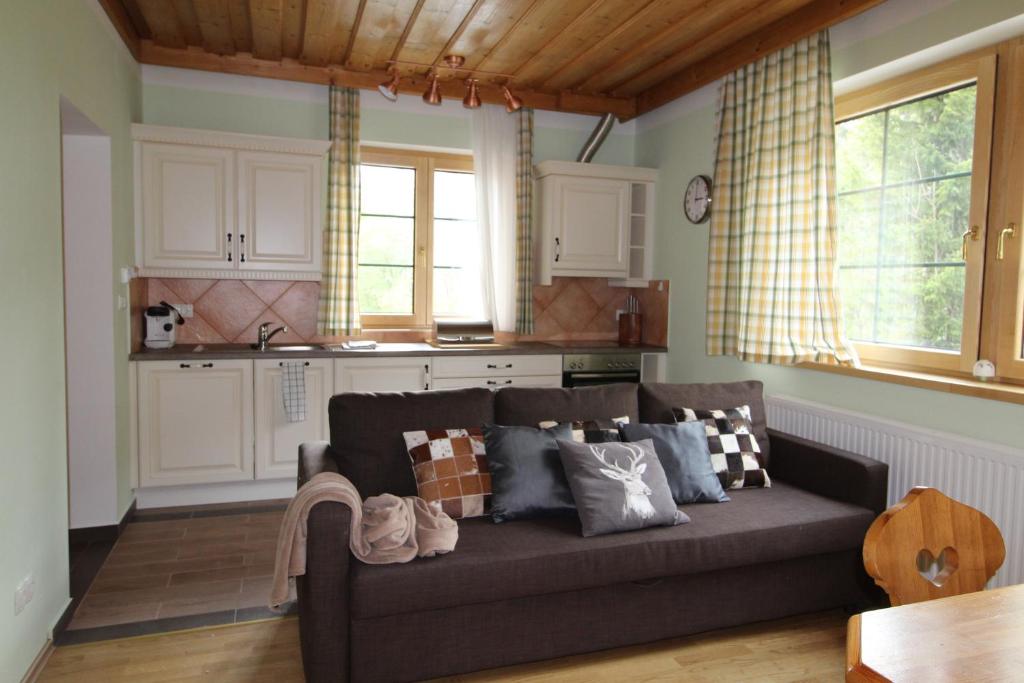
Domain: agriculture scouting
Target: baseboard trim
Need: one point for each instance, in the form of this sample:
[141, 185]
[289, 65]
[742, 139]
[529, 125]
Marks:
[39, 663]
[207, 494]
[109, 532]
[65, 618]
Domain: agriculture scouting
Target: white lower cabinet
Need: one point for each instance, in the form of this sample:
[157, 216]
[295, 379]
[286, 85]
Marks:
[277, 439]
[494, 372]
[195, 422]
[382, 374]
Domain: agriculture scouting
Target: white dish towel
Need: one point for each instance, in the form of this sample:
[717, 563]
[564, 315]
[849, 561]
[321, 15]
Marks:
[293, 389]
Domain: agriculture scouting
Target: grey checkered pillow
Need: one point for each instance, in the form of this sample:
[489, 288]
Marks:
[735, 455]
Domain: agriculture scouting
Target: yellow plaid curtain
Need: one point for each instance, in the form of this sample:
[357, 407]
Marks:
[339, 299]
[772, 255]
[524, 221]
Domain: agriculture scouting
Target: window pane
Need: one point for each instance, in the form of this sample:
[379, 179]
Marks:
[387, 190]
[901, 273]
[385, 289]
[859, 152]
[931, 137]
[454, 195]
[921, 307]
[924, 221]
[386, 241]
[456, 246]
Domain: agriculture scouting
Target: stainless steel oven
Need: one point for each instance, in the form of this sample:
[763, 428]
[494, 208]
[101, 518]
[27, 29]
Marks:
[587, 369]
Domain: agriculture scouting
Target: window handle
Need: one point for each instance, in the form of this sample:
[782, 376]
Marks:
[973, 234]
[1009, 231]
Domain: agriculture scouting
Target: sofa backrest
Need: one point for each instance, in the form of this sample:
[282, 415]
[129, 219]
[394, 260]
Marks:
[366, 432]
[528, 406]
[658, 400]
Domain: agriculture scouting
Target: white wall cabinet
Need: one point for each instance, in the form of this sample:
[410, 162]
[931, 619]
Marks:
[595, 221]
[195, 422]
[277, 439]
[193, 233]
[382, 374]
[225, 205]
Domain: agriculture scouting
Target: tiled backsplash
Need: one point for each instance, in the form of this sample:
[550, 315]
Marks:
[230, 311]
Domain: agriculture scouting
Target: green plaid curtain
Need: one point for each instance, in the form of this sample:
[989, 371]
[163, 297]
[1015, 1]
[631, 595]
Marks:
[339, 298]
[772, 255]
[524, 221]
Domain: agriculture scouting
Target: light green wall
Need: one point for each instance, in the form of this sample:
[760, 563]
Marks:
[683, 147]
[245, 113]
[48, 48]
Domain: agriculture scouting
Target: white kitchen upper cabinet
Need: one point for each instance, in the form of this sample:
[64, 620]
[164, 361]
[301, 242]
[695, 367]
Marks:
[382, 374]
[279, 211]
[188, 206]
[591, 222]
[195, 422]
[211, 204]
[277, 439]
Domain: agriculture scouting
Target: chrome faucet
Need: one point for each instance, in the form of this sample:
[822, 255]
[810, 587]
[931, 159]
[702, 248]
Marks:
[265, 335]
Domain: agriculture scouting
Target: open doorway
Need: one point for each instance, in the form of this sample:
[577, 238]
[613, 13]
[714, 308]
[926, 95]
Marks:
[88, 343]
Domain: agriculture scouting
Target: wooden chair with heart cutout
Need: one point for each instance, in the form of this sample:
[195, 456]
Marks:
[930, 546]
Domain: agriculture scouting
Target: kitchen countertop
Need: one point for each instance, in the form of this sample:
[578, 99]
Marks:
[394, 350]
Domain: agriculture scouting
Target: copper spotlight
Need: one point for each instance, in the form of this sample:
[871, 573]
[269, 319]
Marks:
[512, 103]
[389, 88]
[472, 99]
[433, 92]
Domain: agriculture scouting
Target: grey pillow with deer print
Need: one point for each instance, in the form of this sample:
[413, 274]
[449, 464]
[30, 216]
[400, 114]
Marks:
[618, 486]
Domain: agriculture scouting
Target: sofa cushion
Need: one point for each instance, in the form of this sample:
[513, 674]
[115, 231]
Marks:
[534, 557]
[450, 466]
[657, 400]
[366, 432]
[529, 406]
[526, 473]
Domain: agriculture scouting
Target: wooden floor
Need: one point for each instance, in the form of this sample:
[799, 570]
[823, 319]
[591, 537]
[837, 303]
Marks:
[807, 648]
[169, 564]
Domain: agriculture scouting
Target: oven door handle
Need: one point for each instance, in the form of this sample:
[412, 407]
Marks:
[602, 375]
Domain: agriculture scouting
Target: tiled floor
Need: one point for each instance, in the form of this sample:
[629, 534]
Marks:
[182, 568]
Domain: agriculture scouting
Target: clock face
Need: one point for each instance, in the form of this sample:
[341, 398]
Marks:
[697, 202]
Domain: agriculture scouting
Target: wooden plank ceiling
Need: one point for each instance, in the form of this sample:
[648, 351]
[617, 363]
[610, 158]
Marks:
[626, 57]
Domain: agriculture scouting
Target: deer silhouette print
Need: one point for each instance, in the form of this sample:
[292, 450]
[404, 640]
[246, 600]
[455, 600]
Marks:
[637, 493]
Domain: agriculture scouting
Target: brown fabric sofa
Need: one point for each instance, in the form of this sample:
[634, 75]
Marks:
[536, 589]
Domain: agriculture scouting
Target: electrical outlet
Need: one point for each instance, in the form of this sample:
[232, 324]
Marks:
[184, 309]
[24, 593]
[122, 303]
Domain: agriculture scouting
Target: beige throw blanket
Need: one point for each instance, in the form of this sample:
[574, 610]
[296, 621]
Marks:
[384, 529]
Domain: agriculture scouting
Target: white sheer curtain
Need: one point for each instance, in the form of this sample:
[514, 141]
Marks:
[494, 166]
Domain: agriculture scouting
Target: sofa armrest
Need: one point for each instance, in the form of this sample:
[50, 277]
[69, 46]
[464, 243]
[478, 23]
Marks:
[827, 471]
[323, 594]
[315, 457]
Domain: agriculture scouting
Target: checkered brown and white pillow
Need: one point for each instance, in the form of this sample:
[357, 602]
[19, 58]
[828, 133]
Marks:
[592, 431]
[735, 455]
[451, 470]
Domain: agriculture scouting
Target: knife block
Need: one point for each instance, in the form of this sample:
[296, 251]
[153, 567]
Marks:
[631, 327]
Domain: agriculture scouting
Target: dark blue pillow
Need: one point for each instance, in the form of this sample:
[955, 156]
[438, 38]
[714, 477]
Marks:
[527, 478]
[683, 452]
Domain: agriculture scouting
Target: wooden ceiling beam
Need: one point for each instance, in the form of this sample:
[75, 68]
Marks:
[407, 30]
[267, 22]
[188, 21]
[508, 34]
[327, 31]
[356, 24]
[293, 70]
[241, 25]
[380, 28]
[463, 25]
[813, 17]
[123, 23]
[163, 22]
[214, 19]
[566, 35]
[553, 79]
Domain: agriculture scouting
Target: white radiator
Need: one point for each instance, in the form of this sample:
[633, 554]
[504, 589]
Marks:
[986, 476]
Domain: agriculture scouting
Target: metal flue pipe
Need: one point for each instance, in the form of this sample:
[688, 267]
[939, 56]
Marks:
[596, 138]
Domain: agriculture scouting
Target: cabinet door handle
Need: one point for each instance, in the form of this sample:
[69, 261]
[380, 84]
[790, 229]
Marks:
[493, 366]
[189, 365]
[229, 246]
[241, 247]
[492, 382]
[558, 250]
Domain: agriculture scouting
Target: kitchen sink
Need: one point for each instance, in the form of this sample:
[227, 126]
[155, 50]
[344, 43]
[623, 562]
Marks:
[294, 347]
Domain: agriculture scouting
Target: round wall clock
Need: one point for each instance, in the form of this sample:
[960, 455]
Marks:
[697, 201]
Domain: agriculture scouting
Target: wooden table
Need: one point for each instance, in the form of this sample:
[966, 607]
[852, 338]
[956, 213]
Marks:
[973, 637]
